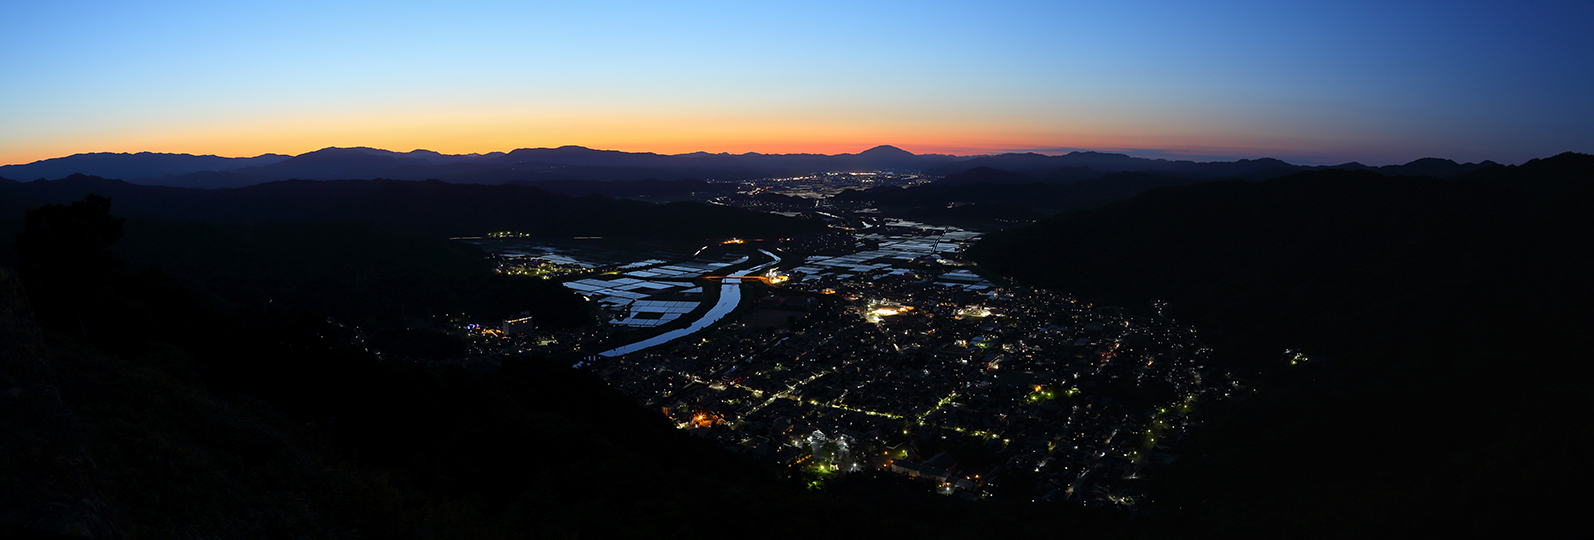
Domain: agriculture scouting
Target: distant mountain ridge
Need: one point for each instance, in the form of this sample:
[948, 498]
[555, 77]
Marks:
[139, 165]
[1040, 167]
[525, 164]
[581, 163]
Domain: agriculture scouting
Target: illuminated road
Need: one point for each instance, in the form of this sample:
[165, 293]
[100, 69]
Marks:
[730, 297]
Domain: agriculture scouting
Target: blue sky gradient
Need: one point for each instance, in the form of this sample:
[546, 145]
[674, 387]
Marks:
[1307, 82]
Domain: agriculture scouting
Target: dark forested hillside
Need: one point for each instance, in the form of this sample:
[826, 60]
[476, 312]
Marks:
[1000, 189]
[350, 271]
[432, 208]
[646, 187]
[1444, 318]
[1312, 242]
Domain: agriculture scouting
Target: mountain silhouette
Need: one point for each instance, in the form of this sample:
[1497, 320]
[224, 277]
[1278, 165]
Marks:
[886, 151]
[131, 166]
[1435, 167]
[525, 164]
[335, 163]
[890, 157]
[1105, 162]
[582, 163]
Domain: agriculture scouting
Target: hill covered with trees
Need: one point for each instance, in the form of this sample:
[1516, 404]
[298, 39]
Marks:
[431, 208]
[1440, 322]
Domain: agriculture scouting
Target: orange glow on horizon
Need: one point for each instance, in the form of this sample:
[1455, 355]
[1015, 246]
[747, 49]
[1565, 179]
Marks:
[465, 132]
[250, 146]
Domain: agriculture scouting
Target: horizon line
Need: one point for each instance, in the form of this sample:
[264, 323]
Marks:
[1141, 153]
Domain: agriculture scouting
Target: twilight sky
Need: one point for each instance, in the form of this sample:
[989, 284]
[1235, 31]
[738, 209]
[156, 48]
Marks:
[1304, 81]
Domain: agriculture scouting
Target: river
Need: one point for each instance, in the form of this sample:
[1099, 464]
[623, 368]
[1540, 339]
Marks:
[730, 297]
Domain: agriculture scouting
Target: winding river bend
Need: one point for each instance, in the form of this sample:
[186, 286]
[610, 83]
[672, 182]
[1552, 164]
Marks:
[730, 297]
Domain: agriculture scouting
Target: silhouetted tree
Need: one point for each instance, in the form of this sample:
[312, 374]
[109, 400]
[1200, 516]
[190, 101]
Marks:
[65, 258]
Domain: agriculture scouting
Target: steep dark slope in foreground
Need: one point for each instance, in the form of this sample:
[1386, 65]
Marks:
[258, 426]
[1446, 323]
[130, 408]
